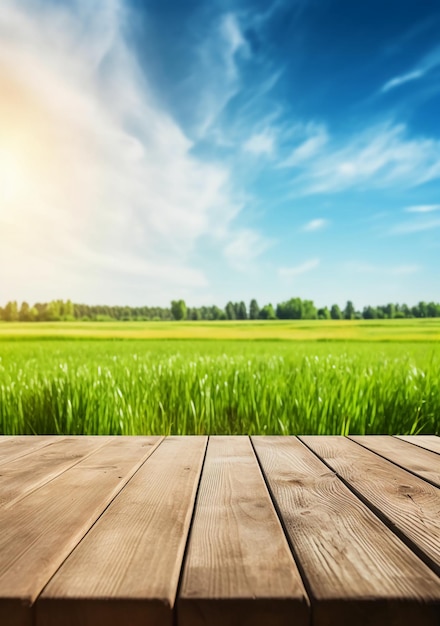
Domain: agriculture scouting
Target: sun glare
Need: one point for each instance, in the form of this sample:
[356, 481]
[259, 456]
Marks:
[12, 177]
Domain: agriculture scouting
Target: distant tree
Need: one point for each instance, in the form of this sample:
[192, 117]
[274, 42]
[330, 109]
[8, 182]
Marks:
[196, 314]
[349, 311]
[24, 314]
[290, 310]
[10, 312]
[178, 309]
[423, 308]
[267, 313]
[242, 311]
[254, 310]
[369, 313]
[415, 311]
[217, 313]
[433, 309]
[335, 312]
[324, 313]
[230, 311]
[309, 311]
[390, 310]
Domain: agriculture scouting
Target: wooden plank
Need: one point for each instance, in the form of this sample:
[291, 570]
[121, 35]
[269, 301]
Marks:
[14, 447]
[422, 462]
[410, 505]
[239, 568]
[23, 475]
[39, 531]
[357, 570]
[127, 568]
[429, 442]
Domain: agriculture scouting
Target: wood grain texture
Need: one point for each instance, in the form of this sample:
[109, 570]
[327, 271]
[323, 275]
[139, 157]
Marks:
[239, 568]
[25, 474]
[410, 505]
[429, 442]
[127, 568]
[14, 447]
[423, 463]
[357, 570]
[39, 531]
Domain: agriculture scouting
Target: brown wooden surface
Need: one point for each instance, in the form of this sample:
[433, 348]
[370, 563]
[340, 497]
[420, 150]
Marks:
[40, 531]
[29, 472]
[239, 568]
[358, 571]
[323, 531]
[136, 548]
[429, 442]
[408, 504]
[13, 447]
[419, 461]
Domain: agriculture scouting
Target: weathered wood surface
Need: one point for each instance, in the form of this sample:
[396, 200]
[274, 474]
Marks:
[408, 504]
[323, 531]
[355, 566]
[14, 447]
[429, 442]
[419, 461]
[136, 548]
[39, 531]
[239, 567]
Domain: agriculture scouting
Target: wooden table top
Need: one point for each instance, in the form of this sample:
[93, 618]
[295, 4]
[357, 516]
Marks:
[271, 531]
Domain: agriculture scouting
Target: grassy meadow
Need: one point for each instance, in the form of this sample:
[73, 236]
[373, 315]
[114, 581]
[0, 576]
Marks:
[317, 377]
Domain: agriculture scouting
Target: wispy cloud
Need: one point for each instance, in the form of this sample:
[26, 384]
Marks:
[106, 182]
[401, 80]
[244, 247]
[260, 143]
[316, 224]
[423, 208]
[297, 270]
[308, 149]
[407, 228]
[382, 156]
[426, 64]
[215, 76]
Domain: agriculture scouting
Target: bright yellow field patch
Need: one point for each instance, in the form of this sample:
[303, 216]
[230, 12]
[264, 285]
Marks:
[314, 330]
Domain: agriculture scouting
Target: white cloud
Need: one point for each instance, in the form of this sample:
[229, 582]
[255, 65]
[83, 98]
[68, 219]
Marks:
[244, 247]
[316, 224]
[216, 78]
[382, 156]
[407, 228]
[429, 62]
[308, 149]
[233, 36]
[260, 143]
[297, 270]
[423, 208]
[401, 80]
[102, 187]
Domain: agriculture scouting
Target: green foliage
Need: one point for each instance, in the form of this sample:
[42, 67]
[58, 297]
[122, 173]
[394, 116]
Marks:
[254, 310]
[242, 311]
[266, 387]
[293, 309]
[230, 311]
[335, 312]
[267, 313]
[178, 309]
[349, 311]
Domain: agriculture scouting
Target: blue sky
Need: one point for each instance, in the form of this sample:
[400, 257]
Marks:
[219, 150]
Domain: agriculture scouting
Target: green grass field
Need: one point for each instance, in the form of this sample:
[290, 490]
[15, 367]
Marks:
[305, 330]
[245, 377]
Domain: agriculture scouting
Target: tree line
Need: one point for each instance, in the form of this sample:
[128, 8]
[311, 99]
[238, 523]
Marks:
[295, 308]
